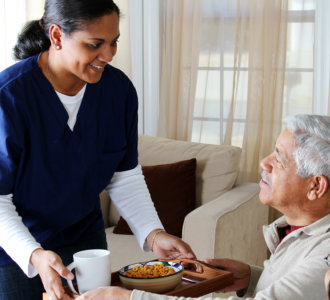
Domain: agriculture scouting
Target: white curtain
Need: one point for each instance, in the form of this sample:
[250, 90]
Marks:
[255, 64]
[223, 65]
[233, 69]
[122, 60]
[180, 39]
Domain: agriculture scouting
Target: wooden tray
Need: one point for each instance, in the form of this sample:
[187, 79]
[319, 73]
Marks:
[193, 283]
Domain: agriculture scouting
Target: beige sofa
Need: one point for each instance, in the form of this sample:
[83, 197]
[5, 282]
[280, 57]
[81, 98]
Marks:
[228, 219]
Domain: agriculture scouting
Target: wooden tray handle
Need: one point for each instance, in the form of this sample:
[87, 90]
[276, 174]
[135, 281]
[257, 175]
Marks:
[207, 271]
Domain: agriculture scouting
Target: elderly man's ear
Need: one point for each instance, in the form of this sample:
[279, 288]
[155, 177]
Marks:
[318, 186]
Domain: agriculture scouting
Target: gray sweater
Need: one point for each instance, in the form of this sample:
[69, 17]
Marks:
[295, 269]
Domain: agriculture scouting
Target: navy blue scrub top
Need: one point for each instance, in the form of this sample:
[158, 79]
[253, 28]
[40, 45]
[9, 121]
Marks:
[55, 174]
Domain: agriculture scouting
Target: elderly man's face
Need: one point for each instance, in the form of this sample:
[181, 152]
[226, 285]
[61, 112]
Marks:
[280, 186]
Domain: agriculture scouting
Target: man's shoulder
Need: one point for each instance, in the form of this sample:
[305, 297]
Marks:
[319, 227]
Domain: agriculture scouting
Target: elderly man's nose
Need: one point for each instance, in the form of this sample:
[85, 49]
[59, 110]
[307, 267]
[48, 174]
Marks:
[266, 163]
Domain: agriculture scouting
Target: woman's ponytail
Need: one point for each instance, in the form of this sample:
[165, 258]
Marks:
[31, 40]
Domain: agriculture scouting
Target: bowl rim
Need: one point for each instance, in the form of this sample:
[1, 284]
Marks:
[177, 265]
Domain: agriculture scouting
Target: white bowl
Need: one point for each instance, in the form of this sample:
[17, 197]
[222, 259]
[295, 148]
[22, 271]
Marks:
[155, 284]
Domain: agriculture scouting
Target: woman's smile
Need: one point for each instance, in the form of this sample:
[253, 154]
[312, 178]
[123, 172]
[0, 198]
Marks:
[97, 68]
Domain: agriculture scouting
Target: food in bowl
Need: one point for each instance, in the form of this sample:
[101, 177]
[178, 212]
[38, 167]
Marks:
[149, 271]
[153, 276]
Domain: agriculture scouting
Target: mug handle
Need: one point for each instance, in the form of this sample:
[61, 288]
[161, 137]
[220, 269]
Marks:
[70, 268]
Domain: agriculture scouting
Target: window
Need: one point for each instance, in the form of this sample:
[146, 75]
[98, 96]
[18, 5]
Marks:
[298, 93]
[216, 70]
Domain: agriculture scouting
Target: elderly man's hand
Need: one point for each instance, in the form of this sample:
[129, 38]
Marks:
[240, 270]
[102, 293]
[169, 246]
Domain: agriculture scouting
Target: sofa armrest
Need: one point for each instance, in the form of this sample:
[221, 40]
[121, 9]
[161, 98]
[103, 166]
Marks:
[229, 226]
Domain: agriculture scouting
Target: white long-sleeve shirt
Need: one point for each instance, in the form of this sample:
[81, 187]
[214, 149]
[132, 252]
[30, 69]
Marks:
[129, 192]
[127, 189]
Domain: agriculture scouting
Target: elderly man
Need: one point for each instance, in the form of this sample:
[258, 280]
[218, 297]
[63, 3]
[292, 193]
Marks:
[295, 181]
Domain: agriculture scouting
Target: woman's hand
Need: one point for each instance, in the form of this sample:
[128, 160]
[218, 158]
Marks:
[102, 293]
[50, 267]
[240, 270]
[169, 246]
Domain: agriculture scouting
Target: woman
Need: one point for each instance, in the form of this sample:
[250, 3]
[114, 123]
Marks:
[68, 130]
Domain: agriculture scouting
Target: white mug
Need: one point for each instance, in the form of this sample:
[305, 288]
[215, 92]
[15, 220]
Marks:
[92, 269]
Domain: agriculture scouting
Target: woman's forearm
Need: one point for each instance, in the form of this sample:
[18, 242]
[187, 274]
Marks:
[15, 238]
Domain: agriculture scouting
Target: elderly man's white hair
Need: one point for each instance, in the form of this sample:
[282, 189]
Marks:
[312, 134]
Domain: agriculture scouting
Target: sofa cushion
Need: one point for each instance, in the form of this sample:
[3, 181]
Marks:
[172, 189]
[216, 172]
[217, 165]
[125, 250]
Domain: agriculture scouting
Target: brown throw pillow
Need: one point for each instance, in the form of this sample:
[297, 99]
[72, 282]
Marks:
[172, 189]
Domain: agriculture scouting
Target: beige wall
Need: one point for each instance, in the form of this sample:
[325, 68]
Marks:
[34, 9]
[122, 59]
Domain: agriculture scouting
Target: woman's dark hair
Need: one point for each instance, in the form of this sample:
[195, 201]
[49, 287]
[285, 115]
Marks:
[70, 15]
